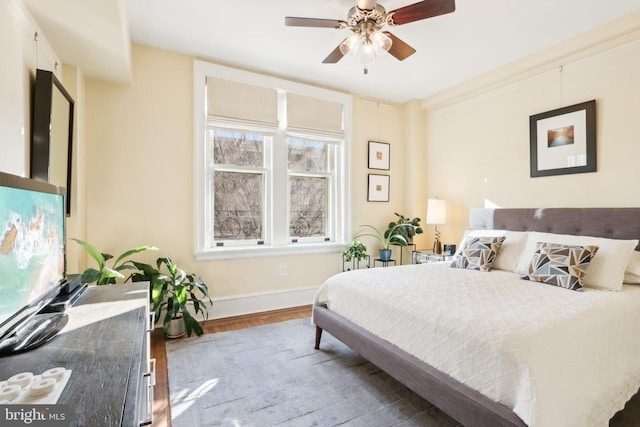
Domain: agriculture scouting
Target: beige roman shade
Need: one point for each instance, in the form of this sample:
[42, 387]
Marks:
[242, 102]
[311, 114]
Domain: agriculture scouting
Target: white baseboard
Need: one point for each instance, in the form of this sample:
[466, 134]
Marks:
[253, 303]
[259, 302]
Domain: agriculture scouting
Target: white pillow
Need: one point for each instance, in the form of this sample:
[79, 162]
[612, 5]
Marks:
[632, 273]
[606, 270]
[509, 253]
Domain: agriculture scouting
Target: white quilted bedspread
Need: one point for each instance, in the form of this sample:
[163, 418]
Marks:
[555, 357]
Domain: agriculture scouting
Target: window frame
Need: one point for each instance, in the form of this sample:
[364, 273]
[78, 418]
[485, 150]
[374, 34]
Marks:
[330, 174]
[280, 241]
[263, 170]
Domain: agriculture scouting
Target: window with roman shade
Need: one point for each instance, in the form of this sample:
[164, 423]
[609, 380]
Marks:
[272, 165]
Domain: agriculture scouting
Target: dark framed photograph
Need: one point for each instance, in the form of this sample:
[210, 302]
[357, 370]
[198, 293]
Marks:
[563, 141]
[379, 155]
[378, 188]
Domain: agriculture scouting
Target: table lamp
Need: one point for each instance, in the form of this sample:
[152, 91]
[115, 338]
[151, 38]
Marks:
[436, 215]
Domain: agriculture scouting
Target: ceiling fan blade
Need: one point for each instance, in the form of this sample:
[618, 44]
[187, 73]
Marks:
[422, 10]
[366, 4]
[334, 56]
[291, 21]
[399, 49]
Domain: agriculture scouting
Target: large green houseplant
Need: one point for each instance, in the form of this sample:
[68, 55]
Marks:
[393, 237]
[411, 227]
[174, 289]
[105, 274]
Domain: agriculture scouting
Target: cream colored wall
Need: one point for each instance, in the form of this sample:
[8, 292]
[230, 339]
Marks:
[74, 83]
[139, 176]
[415, 172]
[21, 56]
[478, 144]
[378, 121]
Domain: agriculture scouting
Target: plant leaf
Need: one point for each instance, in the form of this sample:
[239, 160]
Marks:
[90, 275]
[109, 272]
[135, 251]
[191, 324]
[93, 252]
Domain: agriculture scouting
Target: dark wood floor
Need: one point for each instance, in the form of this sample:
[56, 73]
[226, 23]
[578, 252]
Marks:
[161, 408]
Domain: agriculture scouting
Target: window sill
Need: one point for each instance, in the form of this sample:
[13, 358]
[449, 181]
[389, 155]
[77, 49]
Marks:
[239, 252]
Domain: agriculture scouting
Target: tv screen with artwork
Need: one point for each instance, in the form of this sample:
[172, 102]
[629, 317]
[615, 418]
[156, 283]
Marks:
[32, 248]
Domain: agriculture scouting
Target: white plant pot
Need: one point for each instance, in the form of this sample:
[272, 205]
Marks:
[176, 328]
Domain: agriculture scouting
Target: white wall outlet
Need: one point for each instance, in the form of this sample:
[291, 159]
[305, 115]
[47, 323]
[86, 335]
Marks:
[283, 270]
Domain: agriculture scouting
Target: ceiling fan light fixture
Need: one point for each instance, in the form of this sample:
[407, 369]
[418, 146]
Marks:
[366, 21]
[368, 51]
[350, 45]
[381, 42]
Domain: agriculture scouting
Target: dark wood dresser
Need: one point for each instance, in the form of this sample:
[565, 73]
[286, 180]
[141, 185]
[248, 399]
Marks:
[106, 346]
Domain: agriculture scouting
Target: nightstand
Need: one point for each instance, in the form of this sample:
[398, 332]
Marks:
[425, 256]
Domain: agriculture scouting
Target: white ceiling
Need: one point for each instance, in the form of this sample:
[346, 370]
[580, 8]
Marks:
[477, 37]
[93, 35]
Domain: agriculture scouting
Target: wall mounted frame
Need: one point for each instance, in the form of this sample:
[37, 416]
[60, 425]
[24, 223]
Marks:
[52, 133]
[379, 155]
[378, 190]
[563, 141]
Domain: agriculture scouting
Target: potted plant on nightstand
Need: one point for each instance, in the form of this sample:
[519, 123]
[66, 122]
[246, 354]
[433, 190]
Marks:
[393, 237]
[173, 289]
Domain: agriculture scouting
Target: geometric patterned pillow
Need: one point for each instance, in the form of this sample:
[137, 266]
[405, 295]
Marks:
[478, 253]
[560, 265]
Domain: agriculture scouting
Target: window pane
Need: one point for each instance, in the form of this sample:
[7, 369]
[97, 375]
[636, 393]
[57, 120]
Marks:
[310, 156]
[238, 148]
[238, 206]
[308, 202]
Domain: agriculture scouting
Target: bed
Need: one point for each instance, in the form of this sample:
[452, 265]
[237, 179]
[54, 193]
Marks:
[491, 349]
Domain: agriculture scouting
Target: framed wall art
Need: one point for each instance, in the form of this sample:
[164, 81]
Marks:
[378, 188]
[563, 141]
[379, 155]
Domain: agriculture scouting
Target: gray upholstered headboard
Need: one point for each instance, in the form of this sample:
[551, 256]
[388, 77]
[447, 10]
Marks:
[612, 223]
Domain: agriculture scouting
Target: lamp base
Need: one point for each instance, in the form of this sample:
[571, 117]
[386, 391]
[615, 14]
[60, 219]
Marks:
[437, 247]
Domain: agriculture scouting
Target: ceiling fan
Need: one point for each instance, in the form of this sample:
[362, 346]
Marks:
[366, 20]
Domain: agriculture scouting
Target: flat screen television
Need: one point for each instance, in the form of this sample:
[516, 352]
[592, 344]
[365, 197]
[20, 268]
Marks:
[32, 260]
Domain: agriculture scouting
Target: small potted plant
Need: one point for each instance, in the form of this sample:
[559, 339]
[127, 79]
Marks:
[354, 252]
[173, 289]
[393, 237]
[410, 229]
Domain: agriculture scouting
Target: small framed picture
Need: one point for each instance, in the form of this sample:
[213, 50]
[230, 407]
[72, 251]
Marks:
[379, 155]
[378, 188]
[563, 141]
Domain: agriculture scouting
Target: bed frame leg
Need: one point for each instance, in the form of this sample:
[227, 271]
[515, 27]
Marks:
[318, 337]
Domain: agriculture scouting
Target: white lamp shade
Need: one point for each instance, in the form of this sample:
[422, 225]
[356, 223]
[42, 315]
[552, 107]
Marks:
[436, 211]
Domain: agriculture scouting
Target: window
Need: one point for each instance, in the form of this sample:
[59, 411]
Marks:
[272, 158]
[239, 177]
[310, 179]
